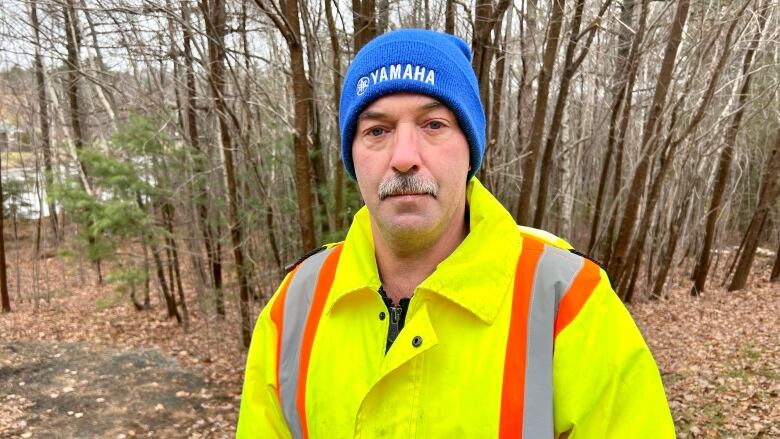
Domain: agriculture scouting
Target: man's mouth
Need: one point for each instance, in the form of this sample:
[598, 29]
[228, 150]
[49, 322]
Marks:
[407, 194]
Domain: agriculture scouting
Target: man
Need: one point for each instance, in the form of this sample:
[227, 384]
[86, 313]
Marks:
[438, 317]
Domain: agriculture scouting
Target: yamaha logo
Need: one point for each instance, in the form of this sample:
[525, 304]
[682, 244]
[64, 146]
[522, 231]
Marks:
[362, 85]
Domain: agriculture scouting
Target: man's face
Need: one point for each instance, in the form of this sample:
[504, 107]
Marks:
[411, 161]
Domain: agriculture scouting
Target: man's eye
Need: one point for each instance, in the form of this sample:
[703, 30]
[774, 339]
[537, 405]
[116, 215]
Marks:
[435, 124]
[376, 131]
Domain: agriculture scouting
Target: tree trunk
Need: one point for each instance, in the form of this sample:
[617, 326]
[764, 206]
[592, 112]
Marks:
[628, 62]
[269, 223]
[570, 67]
[216, 29]
[43, 110]
[335, 47]
[671, 145]
[667, 255]
[193, 240]
[145, 305]
[317, 152]
[724, 162]
[649, 141]
[302, 96]
[73, 45]
[382, 16]
[524, 212]
[200, 189]
[775, 276]
[449, 17]
[364, 22]
[486, 19]
[5, 300]
[170, 299]
[617, 177]
[290, 28]
[770, 189]
[104, 93]
[528, 13]
[168, 218]
[494, 128]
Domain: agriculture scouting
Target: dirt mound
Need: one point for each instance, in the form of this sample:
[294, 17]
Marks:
[78, 390]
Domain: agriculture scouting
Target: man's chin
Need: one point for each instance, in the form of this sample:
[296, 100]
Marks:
[410, 238]
[408, 225]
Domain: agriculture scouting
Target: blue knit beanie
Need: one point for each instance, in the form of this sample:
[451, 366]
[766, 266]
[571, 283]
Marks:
[414, 61]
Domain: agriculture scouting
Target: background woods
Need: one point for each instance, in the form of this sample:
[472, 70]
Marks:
[199, 138]
[185, 151]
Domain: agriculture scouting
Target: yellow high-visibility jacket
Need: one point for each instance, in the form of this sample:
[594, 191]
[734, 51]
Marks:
[511, 336]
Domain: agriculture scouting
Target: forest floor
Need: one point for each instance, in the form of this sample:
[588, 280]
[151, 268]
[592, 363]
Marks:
[719, 355]
[86, 364]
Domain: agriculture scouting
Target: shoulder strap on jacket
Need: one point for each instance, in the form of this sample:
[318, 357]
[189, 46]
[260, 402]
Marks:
[290, 267]
[555, 241]
[551, 285]
[579, 253]
[297, 313]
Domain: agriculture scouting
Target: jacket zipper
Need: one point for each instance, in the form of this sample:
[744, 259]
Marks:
[395, 320]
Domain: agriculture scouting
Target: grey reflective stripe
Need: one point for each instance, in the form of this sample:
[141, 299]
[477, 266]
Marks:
[300, 293]
[555, 272]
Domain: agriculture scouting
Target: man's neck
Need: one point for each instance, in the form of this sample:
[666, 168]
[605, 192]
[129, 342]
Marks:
[402, 266]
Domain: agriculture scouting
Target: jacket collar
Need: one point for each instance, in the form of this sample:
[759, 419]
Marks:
[476, 276]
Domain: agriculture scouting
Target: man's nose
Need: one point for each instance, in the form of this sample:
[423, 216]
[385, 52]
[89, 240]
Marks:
[406, 148]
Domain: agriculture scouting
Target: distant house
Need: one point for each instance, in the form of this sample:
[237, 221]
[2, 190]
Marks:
[9, 128]
[11, 131]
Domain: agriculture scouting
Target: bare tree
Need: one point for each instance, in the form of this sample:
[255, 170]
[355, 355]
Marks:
[335, 48]
[625, 75]
[216, 29]
[617, 260]
[288, 24]
[364, 22]
[775, 276]
[43, 110]
[73, 45]
[671, 144]
[487, 17]
[770, 189]
[200, 190]
[570, 66]
[5, 301]
[449, 17]
[524, 212]
[725, 159]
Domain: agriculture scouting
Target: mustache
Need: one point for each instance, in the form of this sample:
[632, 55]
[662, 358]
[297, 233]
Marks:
[405, 184]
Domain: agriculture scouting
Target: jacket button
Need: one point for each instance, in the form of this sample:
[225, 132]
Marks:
[381, 315]
[416, 341]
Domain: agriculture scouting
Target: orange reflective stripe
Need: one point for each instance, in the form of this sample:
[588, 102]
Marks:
[512, 394]
[277, 316]
[324, 282]
[579, 292]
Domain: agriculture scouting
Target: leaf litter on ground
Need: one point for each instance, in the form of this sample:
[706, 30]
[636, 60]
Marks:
[719, 354]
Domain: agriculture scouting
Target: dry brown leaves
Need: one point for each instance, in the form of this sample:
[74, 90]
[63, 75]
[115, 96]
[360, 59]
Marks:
[80, 311]
[719, 356]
